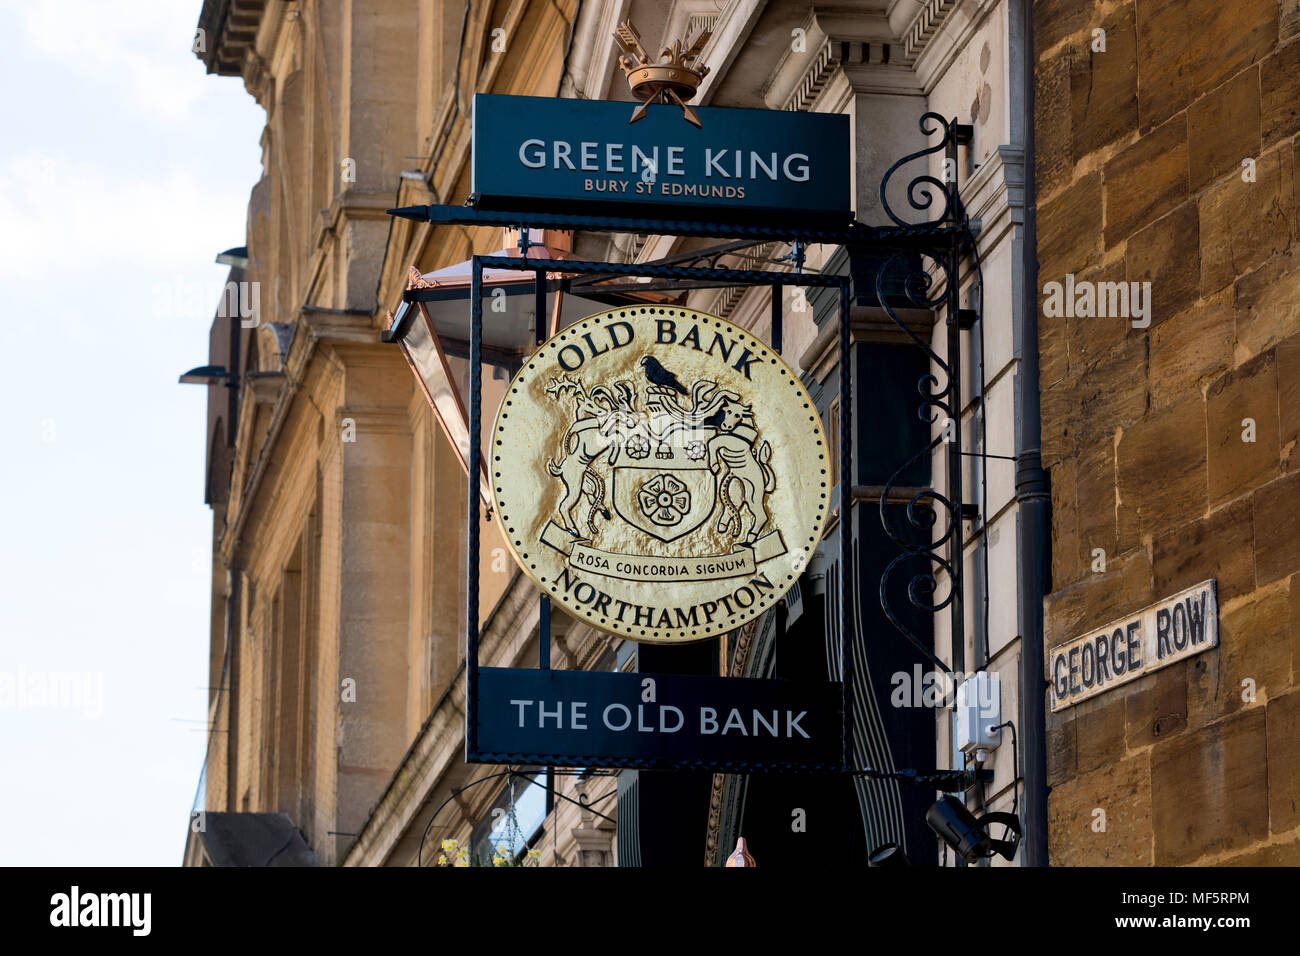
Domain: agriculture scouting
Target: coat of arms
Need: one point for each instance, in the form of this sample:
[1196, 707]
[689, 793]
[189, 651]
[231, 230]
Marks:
[665, 461]
[638, 457]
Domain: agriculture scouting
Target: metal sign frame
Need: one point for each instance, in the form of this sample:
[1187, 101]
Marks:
[944, 241]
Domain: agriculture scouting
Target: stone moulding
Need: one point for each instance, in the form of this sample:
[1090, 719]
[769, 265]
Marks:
[928, 22]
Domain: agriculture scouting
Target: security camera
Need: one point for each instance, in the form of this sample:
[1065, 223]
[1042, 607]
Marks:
[968, 835]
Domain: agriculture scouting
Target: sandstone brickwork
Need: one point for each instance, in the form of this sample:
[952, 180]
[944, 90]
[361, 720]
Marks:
[1167, 135]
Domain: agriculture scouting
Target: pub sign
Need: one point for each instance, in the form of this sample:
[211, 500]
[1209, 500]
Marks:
[660, 473]
[531, 151]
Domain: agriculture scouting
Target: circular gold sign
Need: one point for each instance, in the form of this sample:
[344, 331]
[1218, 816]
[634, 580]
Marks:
[660, 473]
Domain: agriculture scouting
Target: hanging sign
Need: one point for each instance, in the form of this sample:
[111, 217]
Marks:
[1134, 646]
[530, 152]
[660, 473]
[656, 721]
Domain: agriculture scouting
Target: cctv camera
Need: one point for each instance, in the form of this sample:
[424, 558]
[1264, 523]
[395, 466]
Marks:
[969, 836]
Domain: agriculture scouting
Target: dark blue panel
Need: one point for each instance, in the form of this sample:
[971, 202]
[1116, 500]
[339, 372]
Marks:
[742, 161]
[594, 719]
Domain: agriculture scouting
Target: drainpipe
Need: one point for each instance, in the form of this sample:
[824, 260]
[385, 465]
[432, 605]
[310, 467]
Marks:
[1034, 498]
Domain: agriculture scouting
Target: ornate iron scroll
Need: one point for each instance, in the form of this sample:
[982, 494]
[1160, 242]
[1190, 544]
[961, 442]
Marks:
[931, 533]
[921, 186]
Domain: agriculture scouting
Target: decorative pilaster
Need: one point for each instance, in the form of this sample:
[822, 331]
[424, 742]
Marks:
[595, 842]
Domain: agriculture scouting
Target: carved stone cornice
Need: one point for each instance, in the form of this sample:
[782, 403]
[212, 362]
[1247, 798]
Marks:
[924, 25]
[333, 326]
[831, 39]
[935, 46]
[263, 388]
[359, 204]
[229, 31]
[876, 50]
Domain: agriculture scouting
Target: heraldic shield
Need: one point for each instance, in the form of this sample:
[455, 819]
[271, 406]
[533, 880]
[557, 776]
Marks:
[664, 502]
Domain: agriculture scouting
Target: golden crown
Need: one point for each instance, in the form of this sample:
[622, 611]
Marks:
[673, 80]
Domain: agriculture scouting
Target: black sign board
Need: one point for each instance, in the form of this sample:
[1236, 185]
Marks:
[532, 152]
[656, 721]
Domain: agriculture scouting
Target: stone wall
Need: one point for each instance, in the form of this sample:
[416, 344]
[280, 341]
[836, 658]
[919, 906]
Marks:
[1166, 153]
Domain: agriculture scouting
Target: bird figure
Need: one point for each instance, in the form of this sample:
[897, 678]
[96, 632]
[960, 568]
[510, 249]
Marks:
[658, 375]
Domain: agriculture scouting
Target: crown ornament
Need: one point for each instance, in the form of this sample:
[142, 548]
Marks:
[672, 80]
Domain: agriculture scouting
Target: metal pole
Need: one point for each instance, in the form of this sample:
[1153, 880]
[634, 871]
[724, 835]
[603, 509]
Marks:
[956, 577]
[846, 529]
[957, 611]
[544, 602]
[955, 491]
[474, 468]
[778, 320]
[775, 335]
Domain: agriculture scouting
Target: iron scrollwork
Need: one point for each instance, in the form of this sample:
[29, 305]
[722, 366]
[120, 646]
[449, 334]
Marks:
[929, 536]
[919, 191]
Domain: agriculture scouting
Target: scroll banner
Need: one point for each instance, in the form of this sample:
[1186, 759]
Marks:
[741, 562]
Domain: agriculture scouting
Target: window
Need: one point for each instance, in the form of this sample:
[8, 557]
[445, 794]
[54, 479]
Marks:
[513, 820]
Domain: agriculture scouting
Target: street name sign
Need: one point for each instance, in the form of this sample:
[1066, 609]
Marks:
[1134, 646]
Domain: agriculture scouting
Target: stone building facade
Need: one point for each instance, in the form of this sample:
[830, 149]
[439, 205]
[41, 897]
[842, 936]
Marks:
[1166, 153]
[337, 635]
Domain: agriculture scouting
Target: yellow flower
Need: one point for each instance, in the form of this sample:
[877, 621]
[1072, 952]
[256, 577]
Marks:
[442, 861]
[448, 845]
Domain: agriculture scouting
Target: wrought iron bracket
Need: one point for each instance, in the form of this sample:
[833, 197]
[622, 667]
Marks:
[931, 539]
[942, 242]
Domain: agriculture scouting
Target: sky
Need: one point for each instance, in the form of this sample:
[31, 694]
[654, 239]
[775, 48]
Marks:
[124, 170]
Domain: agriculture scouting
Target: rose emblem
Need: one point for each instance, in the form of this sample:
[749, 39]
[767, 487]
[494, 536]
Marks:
[695, 450]
[637, 446]
[664, 500]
